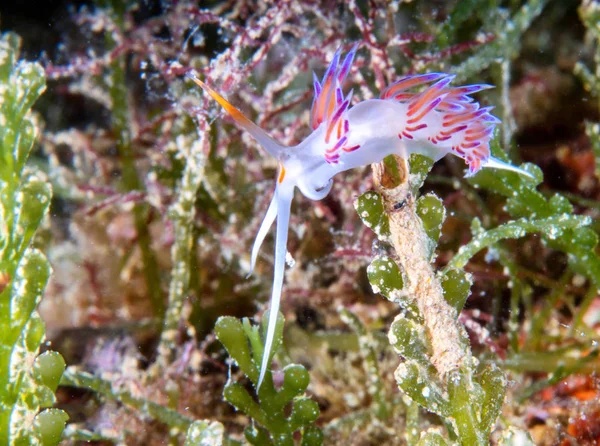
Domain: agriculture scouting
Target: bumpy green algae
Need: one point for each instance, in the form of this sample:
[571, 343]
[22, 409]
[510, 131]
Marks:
[551, 217]
[205, 433]
[509, 31]
[432, 213]
[457, 287]
[385, 276]
[370, 208]
[116, 84]
[468, 398]
[27, 382]
[182, 214]
[550, 227]
[432, 438]
[111, 391]
[366, 342]
[244, 344]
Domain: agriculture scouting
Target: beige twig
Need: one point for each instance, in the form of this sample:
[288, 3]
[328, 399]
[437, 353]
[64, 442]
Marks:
[447, 336]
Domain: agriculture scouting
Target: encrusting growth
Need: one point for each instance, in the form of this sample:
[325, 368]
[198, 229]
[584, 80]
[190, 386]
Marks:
[416, 114]
[410, 242]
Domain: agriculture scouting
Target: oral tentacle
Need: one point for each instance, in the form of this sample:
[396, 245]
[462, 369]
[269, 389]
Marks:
[283, 196]
[262, 137]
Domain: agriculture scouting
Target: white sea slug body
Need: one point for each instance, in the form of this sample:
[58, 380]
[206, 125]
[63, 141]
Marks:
[416, 114]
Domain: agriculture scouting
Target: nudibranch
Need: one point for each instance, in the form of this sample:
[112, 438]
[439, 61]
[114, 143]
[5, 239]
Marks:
[419, 113]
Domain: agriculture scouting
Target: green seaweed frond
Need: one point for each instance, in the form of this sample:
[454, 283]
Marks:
[244, 344]
[27, 381]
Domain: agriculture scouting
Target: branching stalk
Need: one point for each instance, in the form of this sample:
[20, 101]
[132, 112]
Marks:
[182, 213]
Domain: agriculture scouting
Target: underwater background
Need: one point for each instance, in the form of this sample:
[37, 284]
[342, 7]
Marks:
[129, 203]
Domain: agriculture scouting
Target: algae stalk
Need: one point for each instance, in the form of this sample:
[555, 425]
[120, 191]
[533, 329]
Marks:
[410, 241]
[182, 214]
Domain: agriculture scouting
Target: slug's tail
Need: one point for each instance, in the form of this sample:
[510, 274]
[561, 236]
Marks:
[283, 198]
[496, 163]
[268, 143]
